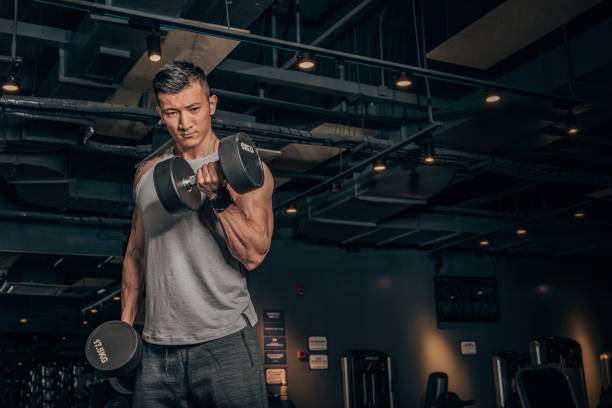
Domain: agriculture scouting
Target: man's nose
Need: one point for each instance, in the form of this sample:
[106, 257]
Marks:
[184, 122]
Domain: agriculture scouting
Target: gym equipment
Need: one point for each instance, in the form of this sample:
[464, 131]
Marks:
[437, 384]
[605, 397]
[366, 379]
[174, 179]
[451, 400]
[555, 377]
[505, 367]
[114, 349]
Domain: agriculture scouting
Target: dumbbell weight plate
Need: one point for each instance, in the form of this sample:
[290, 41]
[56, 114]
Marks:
[168, 177]
[240, 163]
[114, 348]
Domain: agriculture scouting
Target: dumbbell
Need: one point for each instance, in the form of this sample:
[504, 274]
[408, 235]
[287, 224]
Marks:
[174, 179]
[115, 349]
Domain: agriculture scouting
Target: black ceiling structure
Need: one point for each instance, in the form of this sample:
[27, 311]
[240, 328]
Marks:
[69, 141]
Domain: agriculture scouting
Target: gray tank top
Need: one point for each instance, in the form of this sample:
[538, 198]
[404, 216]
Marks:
[195, 290]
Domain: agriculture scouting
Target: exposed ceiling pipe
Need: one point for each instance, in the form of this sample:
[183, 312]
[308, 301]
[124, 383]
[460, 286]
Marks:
[87, 124]
[61, 218]
[139, 150]
[380, 42]
[123, 16]
[334, 30]
[521, 223]
[448, 157]
[359, 165]
[274, 34]
[85, 109]
[298, 27]
[14, 41]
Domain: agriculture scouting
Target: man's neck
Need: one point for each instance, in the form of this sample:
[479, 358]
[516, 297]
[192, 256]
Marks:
[208, 146]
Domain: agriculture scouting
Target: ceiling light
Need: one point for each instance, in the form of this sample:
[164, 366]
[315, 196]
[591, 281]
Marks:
[154, 47]
[85, 322]
[10, 83]
[578, 214]
[429, 152]
[63, 337]
[403, 80]
[492, 95]
[291, 209]
[94, 310]
[484, 242]
[572, 124]
[379, 166]
[116, 298]
[305, 61]
[23, 320]
[521, 231]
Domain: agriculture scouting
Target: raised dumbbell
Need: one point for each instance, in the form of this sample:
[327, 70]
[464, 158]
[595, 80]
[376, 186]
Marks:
[174, 179]
[115, 349]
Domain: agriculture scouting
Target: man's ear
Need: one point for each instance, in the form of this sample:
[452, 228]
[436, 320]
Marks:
[212, 100]
[158, 110]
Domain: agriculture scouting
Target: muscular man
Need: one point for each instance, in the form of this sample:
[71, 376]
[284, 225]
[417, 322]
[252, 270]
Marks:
[200, 346]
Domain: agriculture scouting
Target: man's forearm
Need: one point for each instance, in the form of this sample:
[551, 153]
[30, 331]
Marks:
[132, 290]
[247, 241]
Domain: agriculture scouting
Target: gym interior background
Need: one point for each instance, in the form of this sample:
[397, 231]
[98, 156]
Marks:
[436, 151]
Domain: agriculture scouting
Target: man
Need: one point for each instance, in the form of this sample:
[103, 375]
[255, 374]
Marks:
[200, 346]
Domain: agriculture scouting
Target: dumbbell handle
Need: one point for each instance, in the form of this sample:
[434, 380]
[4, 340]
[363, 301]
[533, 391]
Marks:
[189, 182]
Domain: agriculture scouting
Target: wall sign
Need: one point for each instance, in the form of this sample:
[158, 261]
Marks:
[275, 357]
[317, 343]
[276, 376]
[468, 348]
[318, 362]
[466, 299]
[275, 342]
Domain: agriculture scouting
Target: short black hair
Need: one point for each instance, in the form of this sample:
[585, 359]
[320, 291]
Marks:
[176, 76]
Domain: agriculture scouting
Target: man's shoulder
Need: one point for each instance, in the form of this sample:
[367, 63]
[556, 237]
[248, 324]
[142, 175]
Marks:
[145, 166]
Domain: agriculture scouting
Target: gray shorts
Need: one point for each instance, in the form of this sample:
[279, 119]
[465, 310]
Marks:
[225, 372]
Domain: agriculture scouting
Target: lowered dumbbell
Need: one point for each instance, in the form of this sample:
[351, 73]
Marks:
[114, 349]
[175, 180]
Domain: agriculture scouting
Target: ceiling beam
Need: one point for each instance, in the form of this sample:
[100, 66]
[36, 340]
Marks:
[54, 36]
[322, 84]
[123, 16]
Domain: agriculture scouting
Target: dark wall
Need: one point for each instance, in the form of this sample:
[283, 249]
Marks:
[384, 300]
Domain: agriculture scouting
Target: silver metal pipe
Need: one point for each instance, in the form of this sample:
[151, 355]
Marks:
[14, 43]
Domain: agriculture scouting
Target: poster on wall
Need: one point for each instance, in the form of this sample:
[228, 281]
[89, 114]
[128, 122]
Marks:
[275, 344]
[466, 299]
[275, 357]
[276, 376]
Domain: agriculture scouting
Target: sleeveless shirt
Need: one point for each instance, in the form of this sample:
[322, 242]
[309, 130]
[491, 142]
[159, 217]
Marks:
[195, 290]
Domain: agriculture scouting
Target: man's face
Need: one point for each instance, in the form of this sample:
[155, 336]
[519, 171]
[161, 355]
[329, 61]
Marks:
[187, 114]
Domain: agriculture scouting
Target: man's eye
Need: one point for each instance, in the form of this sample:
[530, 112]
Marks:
[170, 113]
[195, 109]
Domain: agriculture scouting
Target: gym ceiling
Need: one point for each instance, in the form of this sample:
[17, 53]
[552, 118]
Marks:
[508, 178]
